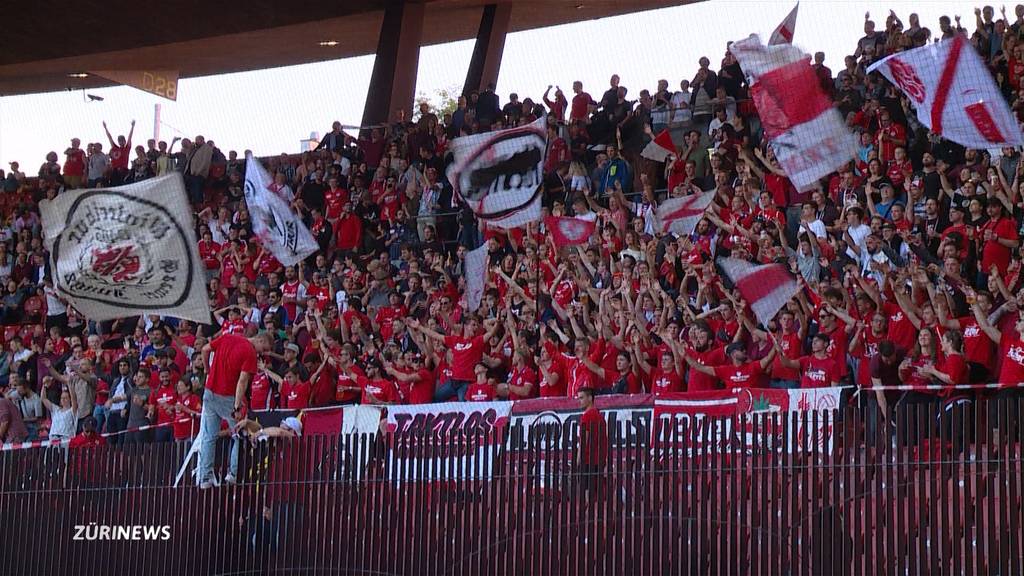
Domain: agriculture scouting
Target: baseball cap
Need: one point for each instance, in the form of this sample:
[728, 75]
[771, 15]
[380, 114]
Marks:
[292, 346]
[293, 424]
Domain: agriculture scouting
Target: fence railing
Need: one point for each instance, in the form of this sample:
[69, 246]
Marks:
[754, 494]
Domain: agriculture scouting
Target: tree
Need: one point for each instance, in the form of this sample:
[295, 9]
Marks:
[444, 101]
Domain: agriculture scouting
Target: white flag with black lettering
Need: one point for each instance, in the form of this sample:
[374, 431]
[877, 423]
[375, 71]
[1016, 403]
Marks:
[279, 228]
[126, 251]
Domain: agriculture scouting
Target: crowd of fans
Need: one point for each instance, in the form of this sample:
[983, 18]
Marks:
[908, 260]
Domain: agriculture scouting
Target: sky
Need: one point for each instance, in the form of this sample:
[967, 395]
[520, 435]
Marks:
[271, 111]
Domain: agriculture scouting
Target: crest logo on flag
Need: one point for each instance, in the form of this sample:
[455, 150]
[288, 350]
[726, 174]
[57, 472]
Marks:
[573, 229]
[907, 79]
[115, 265]
[126, 248]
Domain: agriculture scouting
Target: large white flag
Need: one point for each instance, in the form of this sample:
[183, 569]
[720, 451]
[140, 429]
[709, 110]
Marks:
[279, 228]
[807, 134]
[765, 287]
[954, 94]
[126, 251]
[500, 174]
[681, 214]
[783, 33]
[475, 269]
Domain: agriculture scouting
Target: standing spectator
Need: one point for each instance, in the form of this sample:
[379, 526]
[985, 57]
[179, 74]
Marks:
[74, 165]
[119, 155]
[12, 426]
[99, 166]
[593, 457]
[197, 168]
[62, 415]
[29, 404]
[232, 367]
[582, 104]
[187, 412]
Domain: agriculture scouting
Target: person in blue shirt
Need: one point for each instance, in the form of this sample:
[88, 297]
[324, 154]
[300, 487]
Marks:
[615, 171]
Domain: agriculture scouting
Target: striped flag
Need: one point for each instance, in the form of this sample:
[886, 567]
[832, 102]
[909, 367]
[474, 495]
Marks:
[807, 134]
[659, 148]
[765, 287]
[953, 93]
[680, 215]
[783, 34]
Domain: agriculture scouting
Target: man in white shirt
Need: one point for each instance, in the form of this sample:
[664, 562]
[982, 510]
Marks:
[681, 104]
[856, 232]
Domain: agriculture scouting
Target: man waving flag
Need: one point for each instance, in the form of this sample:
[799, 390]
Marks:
[954, 94]
[273, 221]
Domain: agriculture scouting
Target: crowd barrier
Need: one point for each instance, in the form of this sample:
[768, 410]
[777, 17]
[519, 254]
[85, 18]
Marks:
[909, 497]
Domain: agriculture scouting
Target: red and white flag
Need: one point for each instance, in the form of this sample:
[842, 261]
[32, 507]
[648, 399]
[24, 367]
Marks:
[660, 148]
[569, 231]
[765, 287]
[783, 34]
[954, 94]
[475, 269]
[808, 135]
[680, 215]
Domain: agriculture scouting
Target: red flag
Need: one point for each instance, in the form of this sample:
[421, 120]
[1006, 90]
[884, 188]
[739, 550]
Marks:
[660, 148]
[321, 422]
[680, 215]
[783, 34]
[766, 288]
[569, 231]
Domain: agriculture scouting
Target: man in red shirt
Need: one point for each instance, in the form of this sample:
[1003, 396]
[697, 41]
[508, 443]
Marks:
[997, 239]
[741, 372]
[162, 401]
[89, 437]
[581, 104]
[593, 455]
[482, 389]
[232, 363]
[74, 164]
[120, 152]
[467, 350]
[890, 136]
[414, 380]
[818, 369]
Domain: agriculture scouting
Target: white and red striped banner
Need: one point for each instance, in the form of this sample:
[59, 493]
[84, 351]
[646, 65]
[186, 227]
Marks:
[765, 287]
[660, 147]
[808, 135]
[783, 33]
[954, 94]
[680, 215]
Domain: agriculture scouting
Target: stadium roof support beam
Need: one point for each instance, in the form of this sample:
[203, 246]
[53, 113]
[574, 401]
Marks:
[490, 43]
[393, 81]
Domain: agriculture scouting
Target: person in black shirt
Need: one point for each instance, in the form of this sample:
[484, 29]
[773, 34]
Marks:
[312, 191]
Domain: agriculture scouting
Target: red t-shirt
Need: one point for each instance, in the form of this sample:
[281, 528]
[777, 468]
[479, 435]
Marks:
[295, 396]
[74, 164]
[186, 425]
[593, 437]
[466, 353]
[818, 372]
[382, 390]
[665, 382]
[742, 376]
[978, 346]
[867, 348]
[119, 156]
[164, 399]
[549, 390]
[480, 392]
[993, 252]
[421, 391]
[700, 381]
[343, 381]
[522, 377]
[580, 103]
[955, 366]
[259, 392]
[232, 355]
[791, 348]
[901, 329]
[1011, 372]
[838, 346]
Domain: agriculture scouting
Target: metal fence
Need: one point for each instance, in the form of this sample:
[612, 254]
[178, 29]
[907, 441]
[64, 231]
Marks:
[756, 494]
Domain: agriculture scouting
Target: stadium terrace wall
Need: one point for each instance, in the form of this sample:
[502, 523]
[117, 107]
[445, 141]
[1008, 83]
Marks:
[917, 495]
